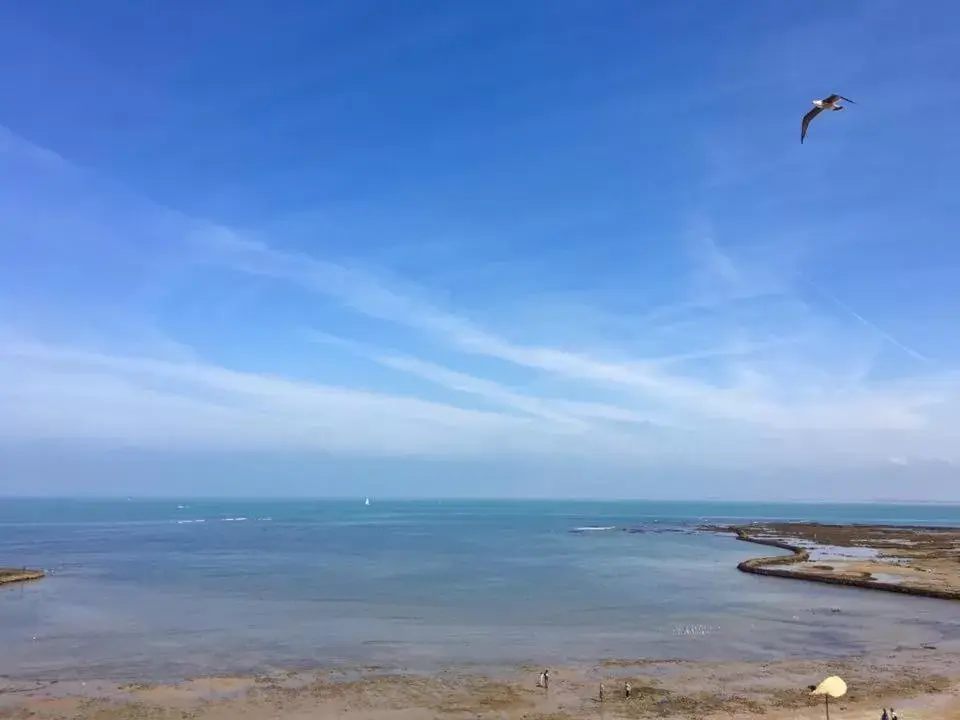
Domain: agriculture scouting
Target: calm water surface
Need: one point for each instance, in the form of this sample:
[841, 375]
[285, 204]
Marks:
[166, 589]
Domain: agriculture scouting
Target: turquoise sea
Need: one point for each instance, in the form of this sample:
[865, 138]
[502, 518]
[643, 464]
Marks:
[164, 589]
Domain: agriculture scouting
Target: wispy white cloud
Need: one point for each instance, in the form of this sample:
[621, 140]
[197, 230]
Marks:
[50, 392]
[863, 321]
[769, 392]
[736, 368]
[564, 411]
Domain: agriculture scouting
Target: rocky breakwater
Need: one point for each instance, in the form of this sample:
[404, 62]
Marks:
[923, 561]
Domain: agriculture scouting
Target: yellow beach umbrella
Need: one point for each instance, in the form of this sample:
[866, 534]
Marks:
[831, 687]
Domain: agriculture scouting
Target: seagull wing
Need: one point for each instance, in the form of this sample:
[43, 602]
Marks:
[833, 97]
[806, 122]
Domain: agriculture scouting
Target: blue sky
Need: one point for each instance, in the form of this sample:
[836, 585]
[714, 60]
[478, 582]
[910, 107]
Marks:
[426, 248]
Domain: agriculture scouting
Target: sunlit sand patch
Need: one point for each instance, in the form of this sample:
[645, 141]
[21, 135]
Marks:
[688, 690]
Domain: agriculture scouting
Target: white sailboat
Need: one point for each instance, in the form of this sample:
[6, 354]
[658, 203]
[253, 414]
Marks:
[366, 501]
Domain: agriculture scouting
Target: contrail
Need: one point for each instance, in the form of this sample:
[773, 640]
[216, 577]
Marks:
[880, 331]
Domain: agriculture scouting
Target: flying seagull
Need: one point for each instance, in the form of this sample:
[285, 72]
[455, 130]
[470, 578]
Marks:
[828, 103]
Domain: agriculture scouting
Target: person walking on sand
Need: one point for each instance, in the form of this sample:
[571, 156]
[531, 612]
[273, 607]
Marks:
[546, 679]
[601, 692]
[884, 716]
[627, 689]
[893, 714]
[540, 680]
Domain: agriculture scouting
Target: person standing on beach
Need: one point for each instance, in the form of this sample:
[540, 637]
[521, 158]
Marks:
[546, 679]
[893, 714]
[627, 689]
[540, 679]
[601, 692]
[884, 716]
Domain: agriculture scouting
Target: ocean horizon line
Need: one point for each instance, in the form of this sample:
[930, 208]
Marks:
[360, 497]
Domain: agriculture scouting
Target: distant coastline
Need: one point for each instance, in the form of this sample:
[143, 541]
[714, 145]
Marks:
[918, 560]
[18, 575]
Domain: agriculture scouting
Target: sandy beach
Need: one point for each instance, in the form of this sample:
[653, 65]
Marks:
[920, 684]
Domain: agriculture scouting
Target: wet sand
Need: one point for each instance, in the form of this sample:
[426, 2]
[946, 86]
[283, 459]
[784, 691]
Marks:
[910, 560]
[920, 684]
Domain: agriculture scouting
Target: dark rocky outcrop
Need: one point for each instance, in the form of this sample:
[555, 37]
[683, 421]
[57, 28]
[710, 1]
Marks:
[15, 575]
[773, 567]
